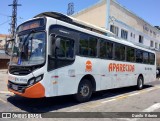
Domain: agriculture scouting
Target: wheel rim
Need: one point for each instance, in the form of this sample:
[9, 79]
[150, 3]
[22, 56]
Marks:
[84, 90]
[140, 83]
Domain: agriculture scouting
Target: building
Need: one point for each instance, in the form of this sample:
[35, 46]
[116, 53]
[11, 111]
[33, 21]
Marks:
[3, 38]
[4, 59]
[123, 23]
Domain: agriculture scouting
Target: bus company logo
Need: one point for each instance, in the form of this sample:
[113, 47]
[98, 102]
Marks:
[88, 66]
[121, 67]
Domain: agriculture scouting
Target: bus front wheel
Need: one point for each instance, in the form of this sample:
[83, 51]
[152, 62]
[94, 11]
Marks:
[140, 83]
[84, 91]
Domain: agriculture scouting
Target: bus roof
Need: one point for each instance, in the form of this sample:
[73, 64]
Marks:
[91, 27]
[75, 21]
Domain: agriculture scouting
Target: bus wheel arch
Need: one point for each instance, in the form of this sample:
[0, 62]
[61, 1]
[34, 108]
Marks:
[140, 82]
[85, 88]
[91, 79]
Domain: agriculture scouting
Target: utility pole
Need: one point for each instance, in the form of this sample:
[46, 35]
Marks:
[70, 10]
[14, 17]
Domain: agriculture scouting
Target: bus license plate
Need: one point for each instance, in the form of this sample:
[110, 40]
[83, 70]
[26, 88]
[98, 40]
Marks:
[15, 87]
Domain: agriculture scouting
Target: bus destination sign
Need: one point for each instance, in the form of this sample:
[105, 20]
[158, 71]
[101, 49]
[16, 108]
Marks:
[31, 25]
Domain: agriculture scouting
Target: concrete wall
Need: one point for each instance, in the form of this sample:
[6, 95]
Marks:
[95, 15]
[3, 38]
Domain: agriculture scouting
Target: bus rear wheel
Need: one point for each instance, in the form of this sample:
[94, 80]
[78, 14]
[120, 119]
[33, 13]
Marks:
[84, 91]
[140, 83]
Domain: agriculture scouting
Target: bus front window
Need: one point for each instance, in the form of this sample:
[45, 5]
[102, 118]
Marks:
[29, 49]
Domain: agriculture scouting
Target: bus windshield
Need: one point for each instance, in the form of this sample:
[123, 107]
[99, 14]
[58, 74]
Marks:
[29, 49]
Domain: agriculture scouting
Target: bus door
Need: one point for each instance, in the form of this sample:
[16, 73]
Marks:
[62, 54]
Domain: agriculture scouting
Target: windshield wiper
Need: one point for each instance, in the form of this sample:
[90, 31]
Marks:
[32, 31]
[23, 46]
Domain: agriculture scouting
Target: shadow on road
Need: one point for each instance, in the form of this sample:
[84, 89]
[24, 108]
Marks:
[52, 104]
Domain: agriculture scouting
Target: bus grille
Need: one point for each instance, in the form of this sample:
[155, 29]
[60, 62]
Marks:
[17, 87]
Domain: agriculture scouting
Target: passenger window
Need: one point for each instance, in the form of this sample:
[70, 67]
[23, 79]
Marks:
[151, 58]
[130, 54]
[145, 58]
[139, 56]
[119, 52]
[87, 46]
[103, 49]
[64, 47]
[92, 51]
[109, 50]
[83, 45]
[106, 49]
[70, 48]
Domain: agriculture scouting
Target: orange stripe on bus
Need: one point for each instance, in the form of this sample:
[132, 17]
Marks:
[35, 91]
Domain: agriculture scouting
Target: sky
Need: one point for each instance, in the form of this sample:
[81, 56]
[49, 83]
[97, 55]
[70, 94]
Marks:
[149, 10]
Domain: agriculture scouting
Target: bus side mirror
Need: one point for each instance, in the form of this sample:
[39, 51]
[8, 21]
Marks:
[58, 43]
[55, 43]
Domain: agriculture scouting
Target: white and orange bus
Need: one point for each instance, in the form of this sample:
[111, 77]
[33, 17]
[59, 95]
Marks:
[54, 55]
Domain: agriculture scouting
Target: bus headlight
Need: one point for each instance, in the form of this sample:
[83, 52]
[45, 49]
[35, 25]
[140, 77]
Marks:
[31, 81]
[39, 78]
[35, 80]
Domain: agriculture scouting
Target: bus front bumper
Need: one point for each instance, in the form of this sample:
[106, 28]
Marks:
[35, 91]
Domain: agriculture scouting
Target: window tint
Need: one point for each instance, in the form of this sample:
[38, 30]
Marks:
[103, 49]
[88, 45]
[151, 58]
[70, 48]
[83, 45]
[130, 54]
[139, 56]
[60, 48]
[64, 47]
[145, 57]
[106, 49]
[119, 52]
[92, 50]
[109, 50]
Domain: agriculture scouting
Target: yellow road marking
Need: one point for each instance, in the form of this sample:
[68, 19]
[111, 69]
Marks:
[123, 96]
[5, 92]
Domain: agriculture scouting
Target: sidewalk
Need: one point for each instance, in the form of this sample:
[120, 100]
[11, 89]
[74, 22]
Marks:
[3, 80]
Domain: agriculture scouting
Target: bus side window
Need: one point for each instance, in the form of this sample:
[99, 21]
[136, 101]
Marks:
[52, 45]
[106, 49]
[139, 56]
[87, 45]
[130, 54]
[70, 48]
[103, 49]
[145, 57]
[109, 50]
[119, 52]
[92, 47]
[151, 58]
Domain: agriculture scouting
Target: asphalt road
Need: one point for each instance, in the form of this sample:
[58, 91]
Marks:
[118, 100]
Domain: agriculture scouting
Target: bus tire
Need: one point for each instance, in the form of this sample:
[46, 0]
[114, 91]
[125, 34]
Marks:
[140, 83]
[84, 91]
